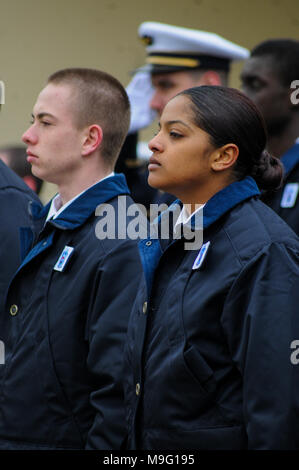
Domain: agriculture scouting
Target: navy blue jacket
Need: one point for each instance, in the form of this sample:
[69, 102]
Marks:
[60, 387]
[15, 202]
[208, 355]
[285, 201]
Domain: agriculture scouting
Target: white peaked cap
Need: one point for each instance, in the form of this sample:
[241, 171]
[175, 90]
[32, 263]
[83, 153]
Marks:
[177, 47]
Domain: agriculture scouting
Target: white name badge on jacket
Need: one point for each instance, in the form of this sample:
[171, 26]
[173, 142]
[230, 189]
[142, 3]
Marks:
[290, 194]
[201, 256]
[64, 258]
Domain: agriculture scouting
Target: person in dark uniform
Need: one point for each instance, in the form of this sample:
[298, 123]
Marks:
[268, 78]
[135, 171]
[177, 58]
[16, 201]
[14, 156]
[68, 304]
[209, 360]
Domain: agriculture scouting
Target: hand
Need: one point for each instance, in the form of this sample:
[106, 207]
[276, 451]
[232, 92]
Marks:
[140, 92]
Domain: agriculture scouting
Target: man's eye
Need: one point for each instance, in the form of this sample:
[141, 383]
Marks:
[45, 123]
[256, 84]
[252, 84]
[165, 85]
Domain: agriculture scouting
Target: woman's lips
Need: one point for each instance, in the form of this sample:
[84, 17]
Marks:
[153, 163]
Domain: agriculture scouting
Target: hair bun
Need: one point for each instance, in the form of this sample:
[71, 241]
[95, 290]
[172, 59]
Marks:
[268, 171]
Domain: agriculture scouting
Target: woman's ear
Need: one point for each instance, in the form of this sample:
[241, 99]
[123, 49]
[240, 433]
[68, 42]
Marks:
[224, 157]
[93, 137]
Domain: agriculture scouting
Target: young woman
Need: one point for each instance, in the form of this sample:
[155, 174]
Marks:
[211, 359]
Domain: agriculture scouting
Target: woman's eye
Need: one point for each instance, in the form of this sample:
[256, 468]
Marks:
[175, 135]
[45, 123]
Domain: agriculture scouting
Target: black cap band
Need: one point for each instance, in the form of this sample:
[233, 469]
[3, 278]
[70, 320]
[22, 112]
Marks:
[165, 62]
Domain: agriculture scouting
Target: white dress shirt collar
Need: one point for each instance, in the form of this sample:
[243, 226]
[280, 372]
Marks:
[57, 207]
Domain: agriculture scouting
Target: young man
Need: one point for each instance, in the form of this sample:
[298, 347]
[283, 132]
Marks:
[177, 58]
[268, 78]
[68, 304]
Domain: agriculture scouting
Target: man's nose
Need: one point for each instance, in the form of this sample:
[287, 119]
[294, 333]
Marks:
[29, 136]
[157, 102]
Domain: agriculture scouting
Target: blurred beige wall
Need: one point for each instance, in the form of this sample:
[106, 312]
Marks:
[38, 37]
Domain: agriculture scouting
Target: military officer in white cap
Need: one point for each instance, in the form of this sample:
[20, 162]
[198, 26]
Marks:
[177, 58]
[180, 58]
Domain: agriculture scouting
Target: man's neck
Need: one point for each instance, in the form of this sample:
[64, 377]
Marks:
[69, 191]
[278, 144]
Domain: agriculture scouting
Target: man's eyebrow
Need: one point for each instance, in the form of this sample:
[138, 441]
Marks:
[248, 75]
[42, 115]
[163, 82]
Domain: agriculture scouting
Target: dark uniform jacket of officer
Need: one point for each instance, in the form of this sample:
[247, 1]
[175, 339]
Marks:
[63, 331]
[285, 201]
[15, 202]
[136, 172]
[208, 356]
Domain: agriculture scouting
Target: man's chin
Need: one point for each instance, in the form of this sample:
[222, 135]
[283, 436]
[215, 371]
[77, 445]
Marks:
[276, 128]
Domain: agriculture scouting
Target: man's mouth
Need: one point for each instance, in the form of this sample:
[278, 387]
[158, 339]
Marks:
[31, 157]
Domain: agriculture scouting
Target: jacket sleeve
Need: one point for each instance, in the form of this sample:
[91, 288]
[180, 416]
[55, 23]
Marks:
[261, 321]
[114, 293]
[14, 213]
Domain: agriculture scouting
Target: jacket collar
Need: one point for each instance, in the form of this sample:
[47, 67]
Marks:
[84, 206]
[290, 159]
[223, 201]
[227, 198]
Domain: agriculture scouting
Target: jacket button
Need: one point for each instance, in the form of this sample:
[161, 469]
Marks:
[137, 389]
[13, 310]
[148, 243]
[144, 307]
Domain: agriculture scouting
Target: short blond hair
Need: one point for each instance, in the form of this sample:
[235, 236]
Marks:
[99, 99]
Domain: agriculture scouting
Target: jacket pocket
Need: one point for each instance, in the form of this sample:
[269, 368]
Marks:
[210, 438]
[199, 369]
[9, 349]
[56, 403]
[204, 376]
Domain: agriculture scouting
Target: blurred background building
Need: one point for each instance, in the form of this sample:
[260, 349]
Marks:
[38, 37]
